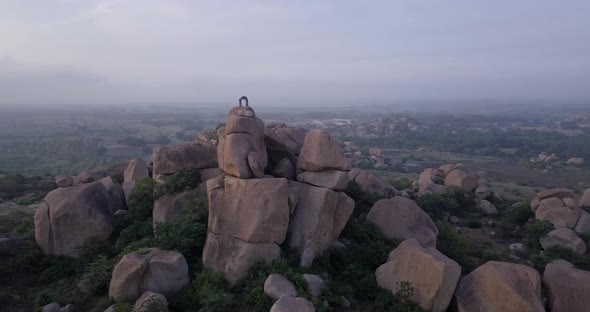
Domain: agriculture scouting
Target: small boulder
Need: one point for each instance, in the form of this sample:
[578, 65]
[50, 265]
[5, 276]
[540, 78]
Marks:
[292, 304]
[557, 192]
[583, 225]
[567, 288]
[320, 152]
[565, 238]
[64, 181]
[52, 307]
[315, 284]
[148, 269]
[432, 275]
[402, 218]
[483, 191]
[500, 286]
[487, 208]
[85, 177]
[518, 251]
[151, 302]
[276, 286]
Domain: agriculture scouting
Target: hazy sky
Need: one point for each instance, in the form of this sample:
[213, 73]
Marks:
[287, 52]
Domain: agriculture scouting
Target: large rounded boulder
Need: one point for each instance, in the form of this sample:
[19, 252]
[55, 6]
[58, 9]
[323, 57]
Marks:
[321, 152]
[433, 275]
[401, 218]
[567, 288]
[502, 287]
[69, 217]
[149, 269]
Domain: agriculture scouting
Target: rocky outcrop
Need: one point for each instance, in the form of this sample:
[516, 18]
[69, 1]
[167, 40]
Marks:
[171, 208]
[320, 152]
[283, 145]
[292, 304]
[187, 156]
[487, 208]
[500, 286]
[371, 184]
[401, 218]
[554, 210]
[277, 286]
[136, 169]
[241, 151]
[234, 257]
[150, 302]
[564, 238]
[69, 217]
[149, 269]
[437, 181]
[320, 214]
[567, 288]
[432, 275]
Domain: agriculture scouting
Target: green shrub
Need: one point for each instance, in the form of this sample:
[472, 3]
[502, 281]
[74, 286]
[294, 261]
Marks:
[208, 292]
[513, 216]
[402, 184]
[179, 182]
[474, 223]
[181, 236]
[539, 259]
[137, 231]
[17, 222]
[534, 231]
[455, 202]
[142, 198]
[97, 274]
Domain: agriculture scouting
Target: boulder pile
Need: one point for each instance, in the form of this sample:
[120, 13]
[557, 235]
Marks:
[437, 180]
[558, 207]
[251, 211]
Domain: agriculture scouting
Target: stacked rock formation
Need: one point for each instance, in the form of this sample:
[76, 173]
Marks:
[372, 184]
[433, 180]
[559, 207]
[321, 210]
[250, 212]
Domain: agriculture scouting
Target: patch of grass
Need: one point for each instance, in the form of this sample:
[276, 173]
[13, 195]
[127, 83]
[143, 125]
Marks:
[534, 231]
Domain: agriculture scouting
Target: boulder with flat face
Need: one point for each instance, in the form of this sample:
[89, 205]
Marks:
[234, 257]
[148, 269]
[402, 218]
[186, 156]
[567, 288]
[502, 287]
[432, 275]
[69, 217]
[136, 169]
[252, 210]
[321, 152]
[320, 214]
